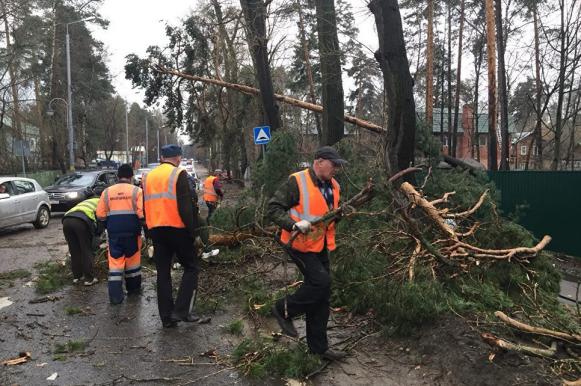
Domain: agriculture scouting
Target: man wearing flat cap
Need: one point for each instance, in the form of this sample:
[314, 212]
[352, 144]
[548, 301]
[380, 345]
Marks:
[306, 196]
[170, 220]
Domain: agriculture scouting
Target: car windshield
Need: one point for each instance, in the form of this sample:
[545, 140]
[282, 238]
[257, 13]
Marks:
[76, 180]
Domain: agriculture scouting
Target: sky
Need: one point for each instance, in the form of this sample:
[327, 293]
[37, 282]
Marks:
[135, 25]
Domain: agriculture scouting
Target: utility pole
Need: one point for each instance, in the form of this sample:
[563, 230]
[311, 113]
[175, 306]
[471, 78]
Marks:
[146, 143]
[126, 137]
[158, 158]
[70, 96]
[70, 105]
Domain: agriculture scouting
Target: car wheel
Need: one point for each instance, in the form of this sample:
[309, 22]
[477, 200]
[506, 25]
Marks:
[42, 218]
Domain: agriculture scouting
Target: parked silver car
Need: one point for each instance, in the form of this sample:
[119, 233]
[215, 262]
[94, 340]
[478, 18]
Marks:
[22, 200]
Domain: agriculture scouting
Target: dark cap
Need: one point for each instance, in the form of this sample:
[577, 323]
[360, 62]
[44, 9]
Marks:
[327, 152]
[169, 151]
[125, 171]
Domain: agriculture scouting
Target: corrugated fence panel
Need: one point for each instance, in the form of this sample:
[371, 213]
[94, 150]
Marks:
[548, 203]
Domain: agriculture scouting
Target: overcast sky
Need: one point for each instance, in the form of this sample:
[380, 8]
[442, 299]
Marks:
[137, 24]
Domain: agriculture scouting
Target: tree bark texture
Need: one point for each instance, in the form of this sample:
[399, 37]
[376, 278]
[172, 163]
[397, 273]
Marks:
[502, 90]
[491, 57]
[556, 164]
[458, 80]
[451, 131]
[308, 67]
[430, 67]
[255, 17]
[332, 84]
[539, 92]
[392, 57]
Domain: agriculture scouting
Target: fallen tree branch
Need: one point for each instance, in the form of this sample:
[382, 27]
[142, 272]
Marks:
[281, 98]
[495, 341]
[571, 338]
[444, 198]
[470, 211]
[433, 213]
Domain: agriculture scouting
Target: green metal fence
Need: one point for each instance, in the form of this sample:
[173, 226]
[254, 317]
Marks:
[548, 203]
[44, 178]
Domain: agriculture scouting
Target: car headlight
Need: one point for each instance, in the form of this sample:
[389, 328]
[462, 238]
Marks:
[72, 195]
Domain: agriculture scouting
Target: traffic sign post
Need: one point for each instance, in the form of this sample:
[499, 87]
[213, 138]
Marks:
[262, 136]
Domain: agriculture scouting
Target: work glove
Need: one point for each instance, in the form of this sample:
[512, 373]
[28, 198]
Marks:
[302, 226]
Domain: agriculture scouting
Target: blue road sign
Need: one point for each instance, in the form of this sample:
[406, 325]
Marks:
[262, 135]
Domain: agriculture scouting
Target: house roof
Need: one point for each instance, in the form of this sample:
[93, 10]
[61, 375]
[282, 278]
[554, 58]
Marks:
[520, 136]
[440, 121]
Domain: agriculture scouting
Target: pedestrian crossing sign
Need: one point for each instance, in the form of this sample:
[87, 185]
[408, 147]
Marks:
[262, 135]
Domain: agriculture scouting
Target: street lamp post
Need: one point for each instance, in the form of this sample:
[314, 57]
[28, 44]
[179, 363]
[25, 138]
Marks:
[126, 137]
[70, 96]
[146, 143]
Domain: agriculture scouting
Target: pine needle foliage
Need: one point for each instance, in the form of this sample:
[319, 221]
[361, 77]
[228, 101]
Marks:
[262, 357]
[367, 265]
[52, 277]
[280, 160]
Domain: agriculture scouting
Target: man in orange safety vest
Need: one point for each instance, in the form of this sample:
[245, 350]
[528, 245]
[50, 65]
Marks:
[305, 197]
[121, 209]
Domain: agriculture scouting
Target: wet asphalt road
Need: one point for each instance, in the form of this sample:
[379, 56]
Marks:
[125, 343]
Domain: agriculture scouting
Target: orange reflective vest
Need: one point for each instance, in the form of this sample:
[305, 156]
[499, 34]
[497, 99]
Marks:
[120, 199]
[311, 206]
[159, 197]
[210, 194]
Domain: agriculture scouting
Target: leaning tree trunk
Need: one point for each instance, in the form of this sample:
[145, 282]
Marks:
[491, 56]
[430, 68]
[332, 84]
[392, 58]
[502, 88]
[255, 17]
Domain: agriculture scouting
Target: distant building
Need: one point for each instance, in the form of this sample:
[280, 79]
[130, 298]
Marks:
[470, 143]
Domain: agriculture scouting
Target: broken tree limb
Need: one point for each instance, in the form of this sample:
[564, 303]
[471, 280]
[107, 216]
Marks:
[231, 239]
[281, 98]
[501, 254]
[495, 341]
[433, 213]
[572, 383]
[469, 211]
[23, 357]
[571, 338]
[444, 198]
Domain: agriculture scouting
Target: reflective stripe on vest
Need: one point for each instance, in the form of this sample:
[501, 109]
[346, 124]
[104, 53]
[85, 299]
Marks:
[88, 207]
[119, 190]
[312, 205]
[210, 194]
[159, 197]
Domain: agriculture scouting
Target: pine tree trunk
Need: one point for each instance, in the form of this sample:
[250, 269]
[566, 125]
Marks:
[430, 67]
[502, 88]
[491, 57]
[477, 71]
[332, 84]
[16, 124]
[255, 17]
[392, 57]
[556, 164]
[538, 135]
[308, 67]
[458, 80]
[451, 135]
